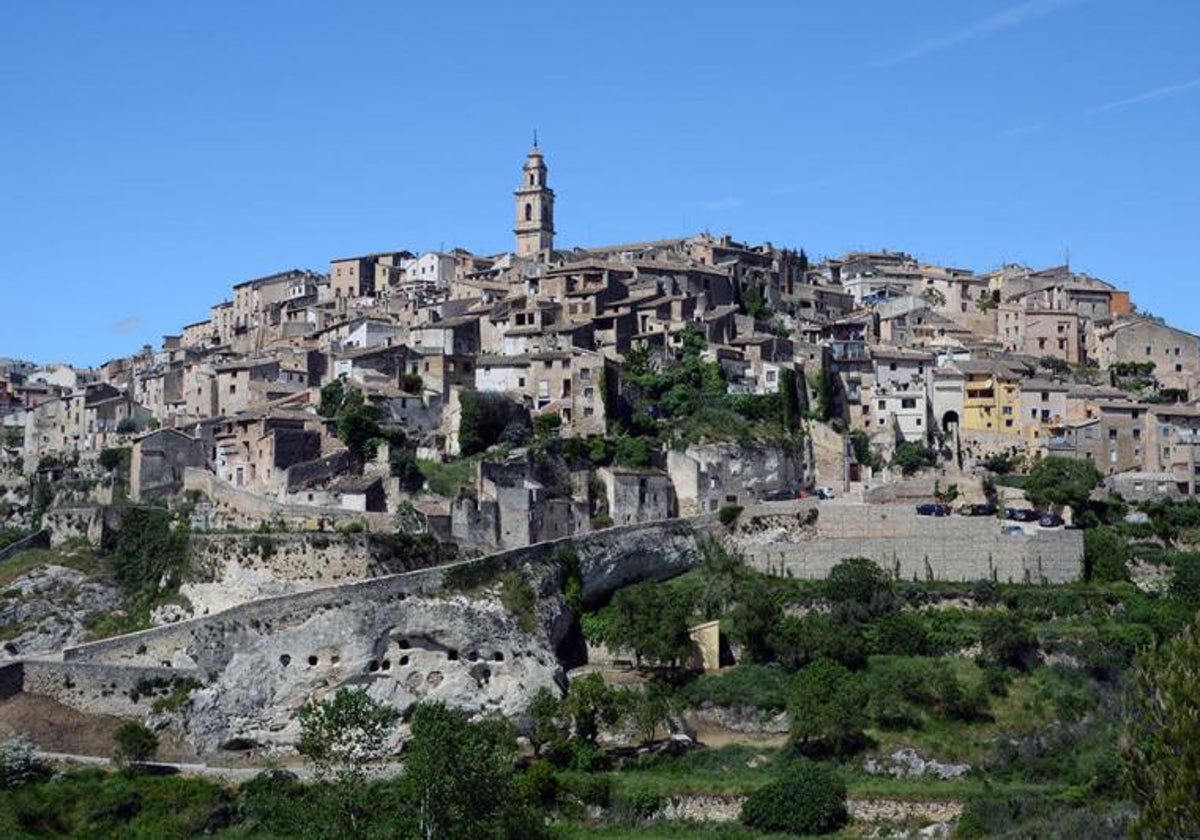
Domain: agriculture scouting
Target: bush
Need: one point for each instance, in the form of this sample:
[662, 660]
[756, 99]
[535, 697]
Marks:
[1105, 555]
[1008, 641]
[134, 742]
[116, 459]
[18, 766]
[729, 514]
[900, 633]
[911, 457]
[809, 798]
[859, 588]
[518, 597]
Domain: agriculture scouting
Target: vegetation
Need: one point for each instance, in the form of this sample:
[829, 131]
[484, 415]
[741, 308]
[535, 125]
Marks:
[489, 418]
[1162, 738]
[1062, 481]
[134, 743]
[911, 457]
[808, 798]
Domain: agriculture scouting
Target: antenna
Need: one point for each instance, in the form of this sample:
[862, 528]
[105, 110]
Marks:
[535, 145]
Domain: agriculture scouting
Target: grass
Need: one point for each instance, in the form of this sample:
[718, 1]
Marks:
[450, 478]
[81, 558]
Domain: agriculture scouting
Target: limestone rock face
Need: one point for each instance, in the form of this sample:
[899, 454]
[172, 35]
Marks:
[617, 557]
[45, 609]
[467, 652]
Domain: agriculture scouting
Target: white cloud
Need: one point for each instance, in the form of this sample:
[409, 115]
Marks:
[1005, 19]
[1156, 93]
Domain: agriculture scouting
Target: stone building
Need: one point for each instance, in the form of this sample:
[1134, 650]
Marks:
[1174, 352]
[158, 461]
[534, 227]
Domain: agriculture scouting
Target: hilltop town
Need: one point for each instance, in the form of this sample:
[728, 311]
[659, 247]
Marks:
[479, 481]
[1009, 362]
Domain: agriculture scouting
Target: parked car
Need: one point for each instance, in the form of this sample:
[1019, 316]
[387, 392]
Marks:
[933, 509]
[780, 495]
[1012, 530]
[1051, 520]
[978, 510]
[824, 492]
[1021, 515]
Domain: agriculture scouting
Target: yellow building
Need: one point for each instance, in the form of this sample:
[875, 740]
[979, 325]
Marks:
[991, 398]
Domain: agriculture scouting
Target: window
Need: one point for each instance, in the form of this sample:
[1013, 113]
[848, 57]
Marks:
[528, 212]
[1045, 396]
[908, 403]
[1178, 368]
[588, 411]
[883, 405]
[1008, 424]
[1137, 434]
[892, 366]
[1041, 344]
[1148, 350]
[1112, 434]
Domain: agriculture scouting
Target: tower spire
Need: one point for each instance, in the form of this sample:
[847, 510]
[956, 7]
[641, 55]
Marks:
[534, 206]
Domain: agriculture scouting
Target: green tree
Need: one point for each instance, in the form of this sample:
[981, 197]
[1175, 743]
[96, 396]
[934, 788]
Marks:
[859, 588]
[1062, 481]
[1008, 641]
[589, 704]
[651, 621]
[1105, 555]
[485, 418]
[358, 424]
[332, 394]
[754, 620]
[133, 743]
[808, 798]
[459, 779]
[341, 734]
[798, 640]
[148, 555]
[1161, 743]
[911, 457]
[827, 709]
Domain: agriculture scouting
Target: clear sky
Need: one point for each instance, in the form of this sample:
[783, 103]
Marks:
[157, 153]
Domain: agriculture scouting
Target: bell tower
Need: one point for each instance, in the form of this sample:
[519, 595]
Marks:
[535, 207]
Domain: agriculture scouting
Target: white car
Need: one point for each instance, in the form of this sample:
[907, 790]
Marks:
[824, 492]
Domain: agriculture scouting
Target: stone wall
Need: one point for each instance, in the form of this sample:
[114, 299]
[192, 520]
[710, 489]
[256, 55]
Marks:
[92, 688]
[75, 522]
[318, 558]
[608, 559]
[40, 539]
[786, 540]
[234, 508]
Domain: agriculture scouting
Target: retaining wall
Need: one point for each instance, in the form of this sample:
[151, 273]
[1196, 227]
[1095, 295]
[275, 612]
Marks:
[608, 559]
[92, 688]
[911, 547]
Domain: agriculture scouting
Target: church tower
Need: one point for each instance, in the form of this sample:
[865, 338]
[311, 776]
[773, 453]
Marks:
[535, 207]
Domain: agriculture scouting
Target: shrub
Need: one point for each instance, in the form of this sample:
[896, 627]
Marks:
[638, 805]
[911, 457]
[18, 765]
[134, 742]
[1008, 641]
[858, 588]
[827, 710]
[518, 597]
[901, 633]
[809, 798]
[729, 514]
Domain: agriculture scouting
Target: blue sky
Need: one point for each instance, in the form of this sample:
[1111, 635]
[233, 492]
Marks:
[157, 153]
